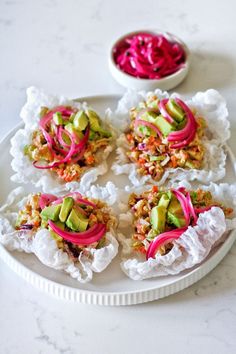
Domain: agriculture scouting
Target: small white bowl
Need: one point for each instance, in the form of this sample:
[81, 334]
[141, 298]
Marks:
[165, 83]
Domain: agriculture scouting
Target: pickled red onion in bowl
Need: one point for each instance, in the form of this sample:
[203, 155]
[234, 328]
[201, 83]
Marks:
[149, 55]
[147, 60]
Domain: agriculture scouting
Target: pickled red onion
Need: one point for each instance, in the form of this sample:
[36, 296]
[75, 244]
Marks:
[26, 227]
[183, 143]
[94, 234]
[80, 210]
[63, 160]
[77, 198]
[60, 137]
[184, 204]
[48, 116]
[186, 135]
[191, 208]
[149, 56]
[161, 239]
[46, 199]
[85, 202]
[74, 148]
[162, 107]
[181, 137]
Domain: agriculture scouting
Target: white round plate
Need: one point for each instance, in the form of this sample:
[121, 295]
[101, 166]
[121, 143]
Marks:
[112, 286]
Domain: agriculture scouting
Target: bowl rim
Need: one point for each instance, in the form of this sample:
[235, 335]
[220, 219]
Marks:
[168, 35]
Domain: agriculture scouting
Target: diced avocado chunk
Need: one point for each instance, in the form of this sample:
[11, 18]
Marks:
[164, 200]
[95, 125]
[175, 213]
[80, 120]
[72, 221]
[76, 221]
[181, 124]
[146, 131]
[71, 129]
[57, 118]
[175, 110]
[66, 208]
[158, 218]
[72, 116]
[51, 212]
[164, 126]
[93, 120]
[172, 219]
[149, 117]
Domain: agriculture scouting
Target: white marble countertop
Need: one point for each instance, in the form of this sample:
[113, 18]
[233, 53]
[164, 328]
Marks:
[62, 47]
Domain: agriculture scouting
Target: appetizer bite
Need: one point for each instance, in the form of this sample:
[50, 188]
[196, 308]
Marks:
[165, 134]
[73, 233]
[168, 137]
[175, 229]
[61, 141]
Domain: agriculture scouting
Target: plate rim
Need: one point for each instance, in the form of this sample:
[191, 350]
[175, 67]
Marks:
[119, 298]
[123, 298]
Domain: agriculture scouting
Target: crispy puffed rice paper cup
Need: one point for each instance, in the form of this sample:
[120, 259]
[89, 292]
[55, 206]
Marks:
[191, 248]
[210, 105]
[45, 247]
[24, 170]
